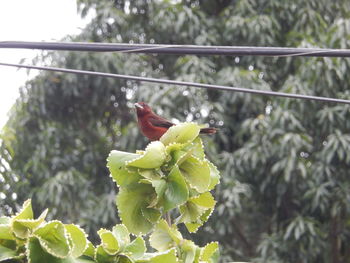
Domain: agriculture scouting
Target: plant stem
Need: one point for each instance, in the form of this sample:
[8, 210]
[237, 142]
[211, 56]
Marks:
[168, 218]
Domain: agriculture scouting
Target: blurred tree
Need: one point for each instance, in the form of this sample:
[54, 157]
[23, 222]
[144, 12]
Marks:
[285, 190]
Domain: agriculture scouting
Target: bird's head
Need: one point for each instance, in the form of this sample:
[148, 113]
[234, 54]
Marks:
[142, 108]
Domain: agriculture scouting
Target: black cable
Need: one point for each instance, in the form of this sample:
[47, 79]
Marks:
[181, 83]
[179, 49]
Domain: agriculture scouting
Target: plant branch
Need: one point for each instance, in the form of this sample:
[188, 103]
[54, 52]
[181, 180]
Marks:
[242, 237]
[168, 218]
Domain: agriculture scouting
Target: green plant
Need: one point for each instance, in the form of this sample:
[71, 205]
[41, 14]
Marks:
[25, 239]
[171, 178]
[171, 174]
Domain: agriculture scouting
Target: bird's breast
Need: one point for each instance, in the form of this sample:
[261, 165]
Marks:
[149, 130]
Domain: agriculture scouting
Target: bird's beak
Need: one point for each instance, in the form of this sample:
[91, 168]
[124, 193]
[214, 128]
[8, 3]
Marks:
[138, 106]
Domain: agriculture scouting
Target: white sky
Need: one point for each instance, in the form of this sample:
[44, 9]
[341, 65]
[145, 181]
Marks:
[30, 20]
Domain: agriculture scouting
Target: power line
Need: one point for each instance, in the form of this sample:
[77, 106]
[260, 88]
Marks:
[180, 83]
[179, 49]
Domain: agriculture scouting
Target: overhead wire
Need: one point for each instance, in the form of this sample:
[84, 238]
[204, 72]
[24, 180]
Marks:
[180, 83]
[178, 49]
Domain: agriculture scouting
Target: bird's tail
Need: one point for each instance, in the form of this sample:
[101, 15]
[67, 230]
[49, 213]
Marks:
[209, 130]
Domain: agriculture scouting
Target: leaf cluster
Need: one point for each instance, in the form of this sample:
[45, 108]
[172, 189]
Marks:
[171, 174]
[25, 239]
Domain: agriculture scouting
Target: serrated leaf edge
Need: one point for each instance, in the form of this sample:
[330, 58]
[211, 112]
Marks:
[189, 183]
[187, 142]
[121, 219]
[14, 257]
[41, 217]
[24, 206]
[73, 245]
[102, 244]
[48, 249]
[145, 152]
[202, 222]
[202, 249]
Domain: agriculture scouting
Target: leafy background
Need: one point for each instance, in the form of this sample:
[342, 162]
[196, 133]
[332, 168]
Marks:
[284, 194]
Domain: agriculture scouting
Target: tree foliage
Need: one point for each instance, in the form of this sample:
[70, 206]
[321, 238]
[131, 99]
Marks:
[285, 193]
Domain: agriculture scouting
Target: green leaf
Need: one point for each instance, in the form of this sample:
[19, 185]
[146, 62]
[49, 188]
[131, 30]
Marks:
[90, 250]
[145, 181]
[5, 228]
[124, 259]
[196, 173]
[26, 212]
[54, 239]
[174, 147]
[108, 241]
[191, 212]
[6, 253]
[116, 162]
[78, 238]
[151, 214]
[178, 157]
[150, 174]
[36, 254]
[81, 259]
[122, 234]
[176, 192]
[204, 200]
[165, 237]
[193, 227]
[6, 232]
[210, 253]
[103, 257]
[136, 248]
[24, 227]
[131, 202]
[168, 256]
[181, 133]
[214, 176]
[197, 211]
[180, 153]
[197, 148]
[197, 254]
[159, 186]
[153, 157]
[188, 251]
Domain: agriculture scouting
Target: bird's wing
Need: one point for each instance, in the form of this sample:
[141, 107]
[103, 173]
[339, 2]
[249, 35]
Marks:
[160, 122]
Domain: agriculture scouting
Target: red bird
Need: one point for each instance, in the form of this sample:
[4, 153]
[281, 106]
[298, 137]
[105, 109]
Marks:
[154, 126]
